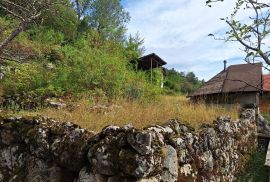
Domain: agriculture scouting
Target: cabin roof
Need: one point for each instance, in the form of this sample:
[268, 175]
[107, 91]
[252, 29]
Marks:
[150, 61]
[236, 78]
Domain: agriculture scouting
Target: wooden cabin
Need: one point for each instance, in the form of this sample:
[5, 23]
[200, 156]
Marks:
[238, 84]
[150, 62]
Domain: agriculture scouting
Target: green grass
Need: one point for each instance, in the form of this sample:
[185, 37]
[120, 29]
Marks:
[266, 116]
[256, 171]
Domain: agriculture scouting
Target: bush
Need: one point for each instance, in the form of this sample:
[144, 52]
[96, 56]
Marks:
[26, 78]
[101, 71]
[137, 87]
[86, 66]
[46, 35]
[55, 55]
[83, 70]
[62, 19]
[255, 171]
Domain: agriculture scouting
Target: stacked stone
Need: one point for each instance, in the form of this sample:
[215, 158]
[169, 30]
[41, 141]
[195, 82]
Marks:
[216, 152]
[41, 149]
[47, 150]
[21, 101]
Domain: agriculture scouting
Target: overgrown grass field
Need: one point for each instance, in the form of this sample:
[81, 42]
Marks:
[96, 116]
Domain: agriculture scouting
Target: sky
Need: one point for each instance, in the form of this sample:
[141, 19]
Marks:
[177, 31]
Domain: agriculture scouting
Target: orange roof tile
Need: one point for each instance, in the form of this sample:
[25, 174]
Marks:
[266, 82]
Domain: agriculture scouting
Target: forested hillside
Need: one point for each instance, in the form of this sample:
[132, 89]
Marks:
[181, 82]
[75, 48]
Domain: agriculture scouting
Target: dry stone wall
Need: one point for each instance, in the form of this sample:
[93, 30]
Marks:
[41, 149]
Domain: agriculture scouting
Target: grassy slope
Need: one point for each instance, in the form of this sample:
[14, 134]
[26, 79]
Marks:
[138, 114]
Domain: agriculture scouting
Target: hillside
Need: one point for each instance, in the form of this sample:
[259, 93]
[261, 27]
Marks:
[65, 60]
[62, 56]
[76, 106]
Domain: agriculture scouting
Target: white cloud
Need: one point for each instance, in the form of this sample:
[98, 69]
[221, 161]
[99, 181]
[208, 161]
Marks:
[177, 31]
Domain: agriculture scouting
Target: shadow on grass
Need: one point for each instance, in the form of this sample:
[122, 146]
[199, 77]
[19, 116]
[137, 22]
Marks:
[256, 171]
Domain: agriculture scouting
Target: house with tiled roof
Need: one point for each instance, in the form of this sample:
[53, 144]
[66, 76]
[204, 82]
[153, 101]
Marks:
[243, 84]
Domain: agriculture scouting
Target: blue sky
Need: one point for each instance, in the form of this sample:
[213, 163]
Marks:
[177, 30]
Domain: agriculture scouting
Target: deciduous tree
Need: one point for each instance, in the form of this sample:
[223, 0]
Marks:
[81, 7]
[109, 18]
[27, 11]
[252, 33]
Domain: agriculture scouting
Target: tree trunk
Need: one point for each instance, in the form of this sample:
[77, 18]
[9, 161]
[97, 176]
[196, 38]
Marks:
[24, 24]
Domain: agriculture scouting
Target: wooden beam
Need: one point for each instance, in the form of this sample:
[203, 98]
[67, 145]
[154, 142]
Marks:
[267, 160]
[162, 79]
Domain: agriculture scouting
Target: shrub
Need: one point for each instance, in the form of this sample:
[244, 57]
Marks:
[88, 66]
[137, 87]
[56, 55]
[46, 36]
[96, 71]
[26, 78]
[62, 19]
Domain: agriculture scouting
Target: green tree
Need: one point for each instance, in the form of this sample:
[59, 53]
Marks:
[109, 18]
[134, 47]
[181, 83]
[27, 11]
[81, 7]
[62, 18]
[252, 34]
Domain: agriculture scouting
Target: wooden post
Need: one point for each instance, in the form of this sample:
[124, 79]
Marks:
[162, 84]
[257, 107]
[151, 70]
[267, 161]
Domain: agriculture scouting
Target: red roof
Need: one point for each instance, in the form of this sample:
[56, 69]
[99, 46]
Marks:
[266, 82]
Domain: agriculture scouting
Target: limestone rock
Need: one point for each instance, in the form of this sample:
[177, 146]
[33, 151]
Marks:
[141, 142]
[10, 158]
[263, 126]
[103, 159]
[141, 166]
[1, 177]
[152, 179]
[170, 165]
[85, 175]
[208, 163]
[37, 170]
[42, 149]
[121, 178]
[55, 103]
[186, 169]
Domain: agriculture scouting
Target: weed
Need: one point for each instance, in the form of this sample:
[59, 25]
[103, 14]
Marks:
[96, 115]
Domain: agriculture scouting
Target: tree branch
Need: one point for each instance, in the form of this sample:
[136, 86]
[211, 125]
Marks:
[24, 24]
[238, 37]
[11, 12]
[16, 5]
[32, 10]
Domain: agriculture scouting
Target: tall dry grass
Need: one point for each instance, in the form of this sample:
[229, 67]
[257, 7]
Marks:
[139, 114]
